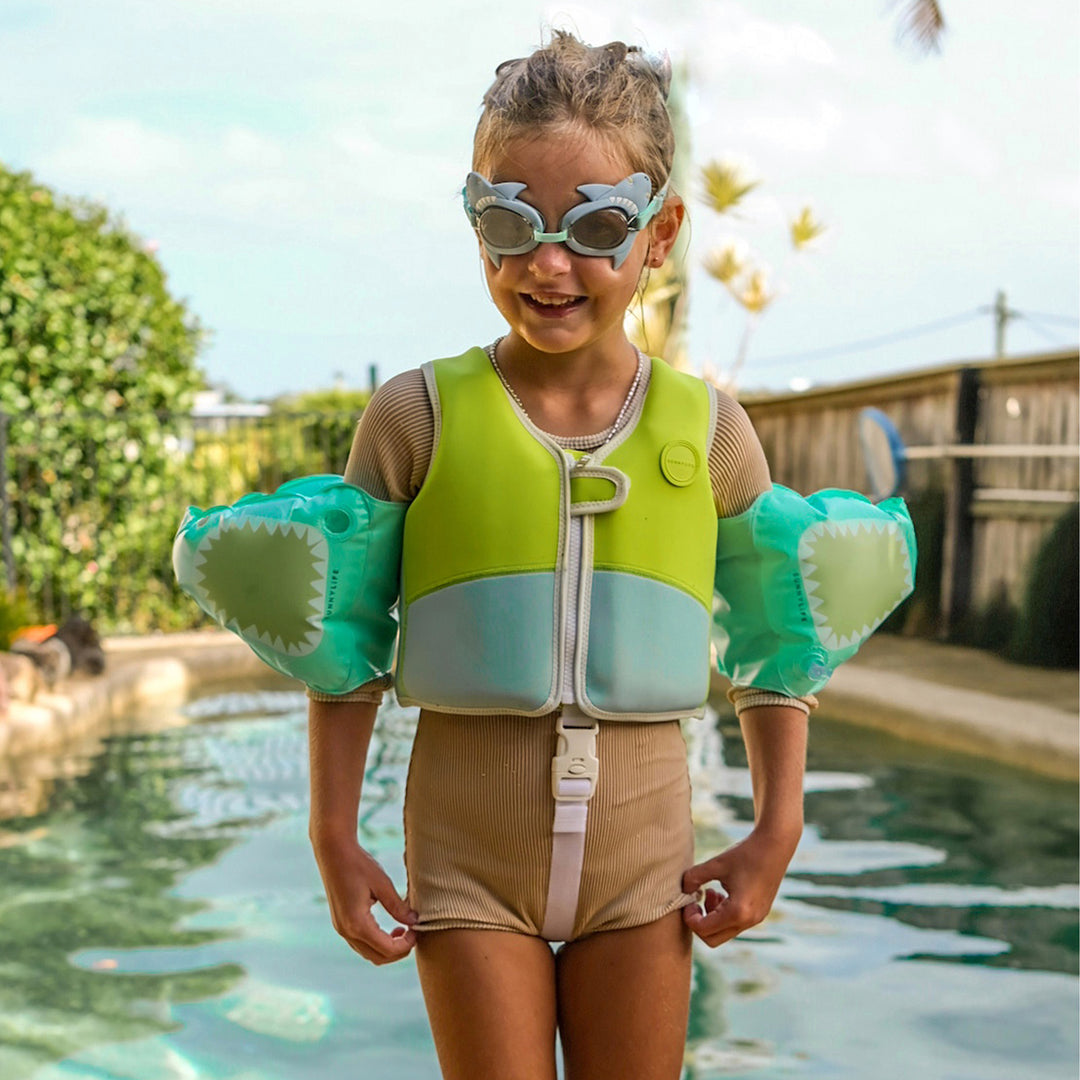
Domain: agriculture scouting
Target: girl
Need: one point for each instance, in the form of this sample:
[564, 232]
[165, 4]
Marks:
[563, 494]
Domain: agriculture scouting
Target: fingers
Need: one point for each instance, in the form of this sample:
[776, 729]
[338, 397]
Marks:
[713, 938]
[352, 892]
[724, 918]
[710, 870]
[396, 907]
[364, 936]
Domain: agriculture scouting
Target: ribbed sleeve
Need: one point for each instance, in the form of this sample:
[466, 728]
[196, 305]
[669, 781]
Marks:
[389, 459]
[370, 691]
[737, 465]
[394, 440]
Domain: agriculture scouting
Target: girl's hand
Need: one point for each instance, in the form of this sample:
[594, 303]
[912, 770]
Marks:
[354, 881]
[750, 873]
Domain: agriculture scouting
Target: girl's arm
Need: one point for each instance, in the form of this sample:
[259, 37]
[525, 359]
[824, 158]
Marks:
[389, 459]
[751, 871]
[338, 737]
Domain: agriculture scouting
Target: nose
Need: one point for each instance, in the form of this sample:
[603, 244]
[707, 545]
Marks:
[548, 260]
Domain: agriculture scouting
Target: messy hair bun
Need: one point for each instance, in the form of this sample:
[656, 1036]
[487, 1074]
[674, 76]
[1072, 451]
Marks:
[616, 90]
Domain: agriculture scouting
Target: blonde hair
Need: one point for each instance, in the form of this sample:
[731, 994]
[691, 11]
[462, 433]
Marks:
[614, 90]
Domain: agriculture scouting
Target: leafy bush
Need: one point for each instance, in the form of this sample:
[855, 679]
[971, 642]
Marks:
[92, 349]
[920, 613]
[14, 614]
[325, 424]
[1046, 630]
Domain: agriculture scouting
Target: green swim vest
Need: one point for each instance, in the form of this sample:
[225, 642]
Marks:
[488, 573]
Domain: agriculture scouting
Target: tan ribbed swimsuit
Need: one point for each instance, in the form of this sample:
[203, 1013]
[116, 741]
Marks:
[478, 803]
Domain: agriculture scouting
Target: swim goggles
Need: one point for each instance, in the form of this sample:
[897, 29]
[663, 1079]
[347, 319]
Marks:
[606, 224]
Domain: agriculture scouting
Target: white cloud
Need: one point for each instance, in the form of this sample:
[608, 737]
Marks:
[963, 149]
[113, 148]
[717, 37]
[258, 197]
[805, 130]
[331, 182]
[1062, 191]
[887, 140]
[250, 149]
[749, 42]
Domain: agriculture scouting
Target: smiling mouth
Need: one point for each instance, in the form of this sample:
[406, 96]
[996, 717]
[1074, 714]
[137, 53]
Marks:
[553, 305]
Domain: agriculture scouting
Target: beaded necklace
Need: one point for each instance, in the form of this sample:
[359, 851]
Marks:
[600, 437]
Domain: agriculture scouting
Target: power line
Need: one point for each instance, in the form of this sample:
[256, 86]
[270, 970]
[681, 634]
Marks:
[1033, 324]
[871, 343]
[1067, 320]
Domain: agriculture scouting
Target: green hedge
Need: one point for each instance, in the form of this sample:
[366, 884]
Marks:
[92, 349]
[1047, 629]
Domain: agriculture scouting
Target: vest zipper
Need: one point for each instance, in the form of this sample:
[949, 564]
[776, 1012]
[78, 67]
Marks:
[573, 595]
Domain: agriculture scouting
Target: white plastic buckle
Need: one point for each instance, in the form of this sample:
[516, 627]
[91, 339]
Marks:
[575, 759]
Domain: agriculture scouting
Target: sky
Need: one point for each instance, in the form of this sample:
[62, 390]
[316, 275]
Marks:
[296, 165]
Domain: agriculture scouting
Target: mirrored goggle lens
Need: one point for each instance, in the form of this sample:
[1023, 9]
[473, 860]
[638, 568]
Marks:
[504, 230]
[603, 230]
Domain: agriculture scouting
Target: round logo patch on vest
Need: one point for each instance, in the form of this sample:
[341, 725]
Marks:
[679, 462]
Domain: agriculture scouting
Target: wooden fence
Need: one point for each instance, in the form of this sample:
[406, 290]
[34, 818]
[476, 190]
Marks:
[1000, 441]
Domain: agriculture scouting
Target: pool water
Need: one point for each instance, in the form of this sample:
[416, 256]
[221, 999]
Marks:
[161, 917]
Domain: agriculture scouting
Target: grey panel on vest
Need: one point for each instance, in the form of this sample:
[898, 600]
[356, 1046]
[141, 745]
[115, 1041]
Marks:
[455, 659]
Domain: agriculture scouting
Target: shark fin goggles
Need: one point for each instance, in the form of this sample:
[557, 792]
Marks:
[605, 224]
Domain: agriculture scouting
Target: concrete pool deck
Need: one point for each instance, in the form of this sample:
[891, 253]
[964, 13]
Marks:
[962, 699]
[946, 695]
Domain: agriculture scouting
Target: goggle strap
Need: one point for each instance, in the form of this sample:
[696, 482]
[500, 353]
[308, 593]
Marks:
[651, 210]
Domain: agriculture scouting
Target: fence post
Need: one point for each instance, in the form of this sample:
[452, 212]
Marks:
[5, 505]
[957, 544]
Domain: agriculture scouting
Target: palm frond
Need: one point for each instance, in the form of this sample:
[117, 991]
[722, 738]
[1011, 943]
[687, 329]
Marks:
[725, 185]
[922, 23]
[805, 228]
[726, 262]
[755, 295]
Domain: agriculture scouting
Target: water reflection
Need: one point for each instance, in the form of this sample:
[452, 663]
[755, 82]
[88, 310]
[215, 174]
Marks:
[928, 924]
[1000, 847]
[161, 916]
[85, 871]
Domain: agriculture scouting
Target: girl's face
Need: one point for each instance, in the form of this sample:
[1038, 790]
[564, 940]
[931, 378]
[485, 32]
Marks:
[555, 300]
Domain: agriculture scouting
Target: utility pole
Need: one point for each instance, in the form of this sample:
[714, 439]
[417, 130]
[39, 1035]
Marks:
[1002, 315]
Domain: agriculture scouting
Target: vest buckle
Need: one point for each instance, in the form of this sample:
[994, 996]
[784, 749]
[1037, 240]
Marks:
[575, 766]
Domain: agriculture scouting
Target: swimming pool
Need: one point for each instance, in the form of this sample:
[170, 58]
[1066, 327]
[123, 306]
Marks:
[161, 917]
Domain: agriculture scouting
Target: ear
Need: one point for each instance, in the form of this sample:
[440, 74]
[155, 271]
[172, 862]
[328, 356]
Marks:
[664, 229]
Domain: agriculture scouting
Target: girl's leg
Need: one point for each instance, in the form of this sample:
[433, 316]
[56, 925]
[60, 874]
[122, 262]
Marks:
[490, 997]
[624, 1001]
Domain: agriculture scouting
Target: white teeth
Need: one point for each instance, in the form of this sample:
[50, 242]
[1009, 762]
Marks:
[561, 301]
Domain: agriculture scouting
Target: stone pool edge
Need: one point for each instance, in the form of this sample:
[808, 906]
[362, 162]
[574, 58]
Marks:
[157, 669]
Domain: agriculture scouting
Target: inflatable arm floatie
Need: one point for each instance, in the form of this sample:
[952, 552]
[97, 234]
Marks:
[307, 576]
[801, 583]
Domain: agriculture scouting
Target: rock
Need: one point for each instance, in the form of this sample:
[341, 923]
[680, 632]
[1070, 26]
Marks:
[51, 657]
[21, 677]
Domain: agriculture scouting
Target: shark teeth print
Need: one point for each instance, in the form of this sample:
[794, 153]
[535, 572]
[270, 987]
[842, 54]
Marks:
[265, 580]
[854, 573]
